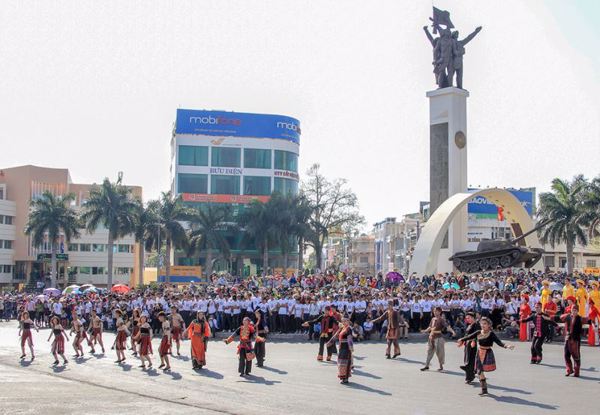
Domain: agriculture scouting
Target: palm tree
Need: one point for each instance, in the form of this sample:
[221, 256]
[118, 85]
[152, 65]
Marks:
[52, 215]
[208, 226]
[170, 213]
[257, 224]
[302, 229]
[112, 206]
[144, 225]
[562, 206]
[590, 215]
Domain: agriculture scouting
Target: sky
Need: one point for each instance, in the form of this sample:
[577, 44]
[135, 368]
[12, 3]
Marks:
[94, 87]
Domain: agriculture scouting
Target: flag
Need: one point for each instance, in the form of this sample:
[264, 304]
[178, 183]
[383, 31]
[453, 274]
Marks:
[441, 17]
[500, 214]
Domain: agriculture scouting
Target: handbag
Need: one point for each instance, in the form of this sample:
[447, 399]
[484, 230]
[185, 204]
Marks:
[250, 356]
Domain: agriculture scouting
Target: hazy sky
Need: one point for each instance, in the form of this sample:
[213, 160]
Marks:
[93, 86]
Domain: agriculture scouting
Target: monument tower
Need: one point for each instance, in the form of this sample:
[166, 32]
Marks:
[448, 129]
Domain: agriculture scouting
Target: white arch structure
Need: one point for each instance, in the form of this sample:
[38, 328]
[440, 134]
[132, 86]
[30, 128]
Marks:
[425, 256]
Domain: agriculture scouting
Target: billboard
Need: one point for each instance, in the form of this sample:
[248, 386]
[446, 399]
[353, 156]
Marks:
[237, 124]
[483, 208]
[204, 198]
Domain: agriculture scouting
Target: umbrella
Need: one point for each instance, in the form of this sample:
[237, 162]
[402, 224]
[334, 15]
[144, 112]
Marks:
[41, 297]
[86, 286]
[120, 288]
[71, 289]
[52, 291]
[91, 289]
[555, 286]
[395, 276]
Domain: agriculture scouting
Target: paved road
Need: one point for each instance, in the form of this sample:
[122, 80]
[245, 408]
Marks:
[292, 383]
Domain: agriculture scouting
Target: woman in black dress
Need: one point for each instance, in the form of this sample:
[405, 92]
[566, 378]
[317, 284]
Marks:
[485, 360]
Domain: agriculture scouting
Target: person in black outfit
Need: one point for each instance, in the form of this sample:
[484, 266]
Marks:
[470, 348]
[542, 330]
[261, 330]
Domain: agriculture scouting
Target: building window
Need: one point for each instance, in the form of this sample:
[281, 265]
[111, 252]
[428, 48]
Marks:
[122, 271]
[364, 260]
[85, 270]
[562, 261]
[193, 156]
[257, 159]
[124, 249]
[285, 186]
[98, 247]
[224, 185]
[257, 185]
[192, 183]
[85, 247]
[285, 160]
[98, 271]
[7, 269]
[8, 220]
[7, 244]
[590, 263]
[1, 193]
[73, 247]
[225, 157]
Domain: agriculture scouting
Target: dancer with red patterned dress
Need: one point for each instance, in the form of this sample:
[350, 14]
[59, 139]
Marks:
[58, 344]
[344, 358]
[95, 331]
[135, 329]
[177, 328]
[78, 328]
[121, 339]
[144, 339]
[485, 360]
[165, 344]
[25, 326]
[245, 348]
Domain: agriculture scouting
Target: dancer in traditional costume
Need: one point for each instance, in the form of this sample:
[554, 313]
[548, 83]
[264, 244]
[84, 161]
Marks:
[470, 348]
[165, 344]
[344, 358]
[542, 323]
[177, 328]
[261, 337]
[245, 348]
[25, 326]
[573, 330]
[58, 344]
[485, 361]
[121, 339]
[78, 328]
[546, 293]
[435, 343]
[329, 325]
[198, 332]
[135, 329]
[582, 297]
[95, 331]
[144, 339]
[393, 329]
[524, 313]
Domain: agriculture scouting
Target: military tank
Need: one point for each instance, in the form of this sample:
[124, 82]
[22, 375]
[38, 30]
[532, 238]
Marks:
[494, 254]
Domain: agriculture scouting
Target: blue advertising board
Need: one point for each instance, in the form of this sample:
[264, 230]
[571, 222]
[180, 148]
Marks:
[480, 206]
[237, 124]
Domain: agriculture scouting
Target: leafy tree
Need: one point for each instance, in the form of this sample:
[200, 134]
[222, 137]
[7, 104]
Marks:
[170, 213]
[50, 216]
[334, 207]
[208, 227]
[112, 206]
[257, 223]
[145, 225]
[590, 212]
[562, 206]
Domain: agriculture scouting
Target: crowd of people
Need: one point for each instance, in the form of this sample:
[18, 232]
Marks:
[334, 308]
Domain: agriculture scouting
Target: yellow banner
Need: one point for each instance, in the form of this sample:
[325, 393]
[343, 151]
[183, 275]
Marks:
[183, 271]
[591, 271]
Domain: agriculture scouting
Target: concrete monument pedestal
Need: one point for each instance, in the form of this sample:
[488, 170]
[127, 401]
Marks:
[448, 163]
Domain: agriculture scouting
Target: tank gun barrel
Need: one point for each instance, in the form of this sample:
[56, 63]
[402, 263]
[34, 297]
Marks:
[526, 234]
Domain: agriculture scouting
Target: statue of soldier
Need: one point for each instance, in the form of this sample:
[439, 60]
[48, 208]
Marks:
[458, 50]
[443, 64]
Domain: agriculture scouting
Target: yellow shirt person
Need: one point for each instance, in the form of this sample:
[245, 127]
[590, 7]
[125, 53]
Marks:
[582, 297]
